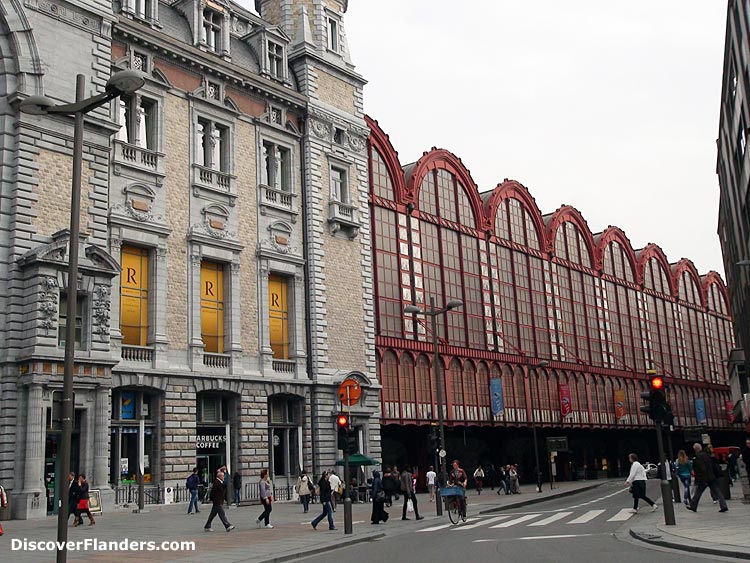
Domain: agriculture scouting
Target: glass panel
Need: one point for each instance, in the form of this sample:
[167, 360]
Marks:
[134, 296]
[212, 306]
[278, 315]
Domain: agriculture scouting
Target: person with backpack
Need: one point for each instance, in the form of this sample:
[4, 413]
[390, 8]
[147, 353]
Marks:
[192, 483]
[304, 487]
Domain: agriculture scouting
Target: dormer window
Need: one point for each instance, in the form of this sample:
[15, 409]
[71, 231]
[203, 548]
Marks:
[275, 60]
[333, 35]
[143, 9]
[212, 29]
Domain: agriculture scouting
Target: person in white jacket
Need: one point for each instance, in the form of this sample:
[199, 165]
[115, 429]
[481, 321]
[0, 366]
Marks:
[637, 483]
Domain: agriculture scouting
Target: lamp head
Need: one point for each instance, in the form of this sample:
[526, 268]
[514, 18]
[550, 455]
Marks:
[455, 304]
[542, 364]
[412, 309]
[125, 82]
[743, 263]
[37, 105]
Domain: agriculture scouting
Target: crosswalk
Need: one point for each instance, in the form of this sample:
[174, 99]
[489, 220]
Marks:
[535, 520]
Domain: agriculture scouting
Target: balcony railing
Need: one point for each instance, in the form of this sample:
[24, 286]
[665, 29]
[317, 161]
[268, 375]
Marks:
[220, 361]
[138, 157]
[284, 366]
[277, 198]
[138, 354]
[214, 179]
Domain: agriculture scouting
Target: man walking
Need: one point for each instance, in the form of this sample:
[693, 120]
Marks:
[431, 477]
[217, 498]
[335, 483]
[325, 500]
[74, 495]
[705, 476]
[407, 487]
[192, 484]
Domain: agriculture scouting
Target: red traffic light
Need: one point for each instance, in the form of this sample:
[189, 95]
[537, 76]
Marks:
[342, 421]
[657, 382]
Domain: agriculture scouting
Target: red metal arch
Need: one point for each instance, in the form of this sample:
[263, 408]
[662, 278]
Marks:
[445, 160]
[686, 265]
[380, 141]
[612, 234]
[714, 278]
[563, 215]
[652, 250]
[510, 189]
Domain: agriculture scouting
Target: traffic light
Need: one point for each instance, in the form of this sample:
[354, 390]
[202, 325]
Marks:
[434, 440]
[351, 442]
[342, 423]
[658, 408]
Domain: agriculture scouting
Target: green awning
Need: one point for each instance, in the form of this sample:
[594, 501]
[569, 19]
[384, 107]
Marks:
[359, 459]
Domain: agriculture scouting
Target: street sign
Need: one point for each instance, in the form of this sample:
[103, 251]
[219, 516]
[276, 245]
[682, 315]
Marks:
[350, 392]
[442, 453]
[557, 444]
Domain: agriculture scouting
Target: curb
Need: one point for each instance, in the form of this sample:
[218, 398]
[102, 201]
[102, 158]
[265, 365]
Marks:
[323, 548]
[691, 547]
[537, 500]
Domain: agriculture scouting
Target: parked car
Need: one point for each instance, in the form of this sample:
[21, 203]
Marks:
[652, 470]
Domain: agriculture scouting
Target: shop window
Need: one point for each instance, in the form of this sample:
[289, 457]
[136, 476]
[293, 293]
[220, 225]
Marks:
[286, 431]
[134, 296]
[128, 407]
[339, 185]
[212, 22]
[276, 167]
[211, 407]
[276, 60]
[138, 118]
[278, 316]
[212, 307]
[212, 150]
[79, 324]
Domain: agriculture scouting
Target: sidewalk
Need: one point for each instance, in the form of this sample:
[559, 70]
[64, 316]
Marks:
[291, 538]
[706, 531]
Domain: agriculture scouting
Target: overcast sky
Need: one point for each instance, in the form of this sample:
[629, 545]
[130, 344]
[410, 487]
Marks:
[611, 107]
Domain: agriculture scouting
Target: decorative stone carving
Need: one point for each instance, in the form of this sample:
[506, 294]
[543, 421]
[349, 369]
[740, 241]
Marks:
[320, 129]
[195, 259]
[205, 228]
[356, 143]
[100, 311]
[48, 303]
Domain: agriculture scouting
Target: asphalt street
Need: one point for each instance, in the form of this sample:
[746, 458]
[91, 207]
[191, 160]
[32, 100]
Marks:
[578, 528]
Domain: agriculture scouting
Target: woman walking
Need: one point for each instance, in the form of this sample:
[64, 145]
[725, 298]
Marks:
[637, 483]
[303, 490]
[377, 494]
[478, 478]
[513, 476]
[684, 468]
[325, 500]
[83, 503]
[266, 497]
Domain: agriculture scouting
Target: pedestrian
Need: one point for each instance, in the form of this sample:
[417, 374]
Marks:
[225, 482]
[637, 483]
[217, 499]
[513, 478]
[74, 495]
[3, 504]
[491, 476]
[324, 487]
[388, 486]
[745, 454]
[431, 478]
[684, 469]
[83, 502]
[478, 479]
[266, 498]
[502, 480]
[236, 487]
[377, 494]
[407, 487]
[336, 488]
[732, 466]
[192, 483]
[303, 489]
[705, 476]
[395, 482]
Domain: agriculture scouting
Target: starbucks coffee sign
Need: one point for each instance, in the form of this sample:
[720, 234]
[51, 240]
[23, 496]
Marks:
[210, 441]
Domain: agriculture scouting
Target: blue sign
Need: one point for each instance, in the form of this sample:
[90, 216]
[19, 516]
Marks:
[128, 405]
[700, 411]
[496, 392]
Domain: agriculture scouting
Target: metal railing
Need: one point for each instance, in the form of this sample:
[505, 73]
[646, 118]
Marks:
[153, 494]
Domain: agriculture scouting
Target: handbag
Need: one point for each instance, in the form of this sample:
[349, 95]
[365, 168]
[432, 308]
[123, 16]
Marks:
[409, 506]
[380, 496]
[310, 487]
[83, 504]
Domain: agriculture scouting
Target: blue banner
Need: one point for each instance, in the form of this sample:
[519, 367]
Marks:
[496, 392]
[128, 405]
[700, 411]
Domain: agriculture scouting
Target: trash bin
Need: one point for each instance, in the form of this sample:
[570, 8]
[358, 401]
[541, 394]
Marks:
[724, 483]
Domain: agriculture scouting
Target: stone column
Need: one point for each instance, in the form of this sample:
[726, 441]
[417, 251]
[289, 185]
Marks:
[32, 474]
[101, 437]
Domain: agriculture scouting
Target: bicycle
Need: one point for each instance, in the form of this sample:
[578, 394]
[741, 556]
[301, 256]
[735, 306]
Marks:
[455, 503]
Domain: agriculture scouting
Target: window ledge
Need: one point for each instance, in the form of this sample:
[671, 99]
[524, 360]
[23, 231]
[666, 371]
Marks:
[217, 361]
[214, 182]
[284, 367]
[141, 355]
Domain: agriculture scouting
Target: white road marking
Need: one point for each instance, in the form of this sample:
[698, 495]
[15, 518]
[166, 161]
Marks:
[435, 528]
[554, 537]
[482, 523]
[516, 521]
[586, 517]
[550, 519]
[621, 516]
[605, 497]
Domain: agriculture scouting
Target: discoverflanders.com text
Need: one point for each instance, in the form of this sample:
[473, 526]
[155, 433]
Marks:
[93, 544]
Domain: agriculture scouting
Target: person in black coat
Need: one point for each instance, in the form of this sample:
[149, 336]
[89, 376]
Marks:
[325, 500]
[377, 494]
[217, 498]
[705, 476]
[74, 495]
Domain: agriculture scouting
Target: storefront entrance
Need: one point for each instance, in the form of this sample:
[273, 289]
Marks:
[52, 461]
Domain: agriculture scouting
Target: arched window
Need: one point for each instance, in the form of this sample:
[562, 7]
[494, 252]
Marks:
[389, 381]
[457, 391]
[408, 398]
[520, 392]
[381, 179]
[389, 306]
[483, 391]
[424, 389]
[470, 385]
[583, 399]
[554, 397]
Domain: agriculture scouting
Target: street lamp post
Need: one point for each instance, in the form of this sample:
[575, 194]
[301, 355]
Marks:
[433, 313]
[123, 82]
[538, 467]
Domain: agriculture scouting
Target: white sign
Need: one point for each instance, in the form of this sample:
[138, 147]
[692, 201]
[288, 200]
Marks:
[705, 438]
[124, 466]
[168, 495]
[210, 442]
[442, 453]
[276, 440]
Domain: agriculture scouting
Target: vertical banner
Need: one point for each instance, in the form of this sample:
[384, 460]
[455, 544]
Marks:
[621, 411]
[730, 411]
[496, 393]
[127, 402]
[700, 411]
[566, 405]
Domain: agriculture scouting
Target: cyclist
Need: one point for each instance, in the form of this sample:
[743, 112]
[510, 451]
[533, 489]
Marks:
[458, 478]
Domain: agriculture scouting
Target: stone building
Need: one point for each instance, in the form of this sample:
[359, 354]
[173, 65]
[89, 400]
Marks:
[225, 279]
